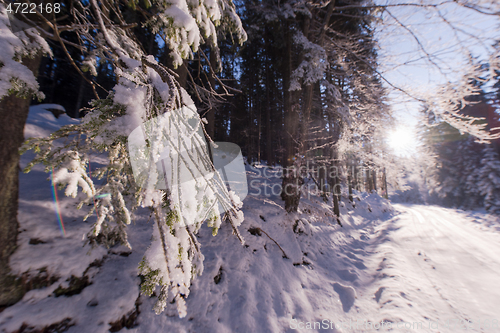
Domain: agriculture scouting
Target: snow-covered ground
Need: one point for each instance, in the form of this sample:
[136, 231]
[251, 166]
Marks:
[402, 268]
[442, 267]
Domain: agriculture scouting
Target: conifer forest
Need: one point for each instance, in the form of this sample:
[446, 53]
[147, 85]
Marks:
[249, 166]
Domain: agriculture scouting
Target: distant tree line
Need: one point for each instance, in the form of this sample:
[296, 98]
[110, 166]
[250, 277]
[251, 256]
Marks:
[467, 172]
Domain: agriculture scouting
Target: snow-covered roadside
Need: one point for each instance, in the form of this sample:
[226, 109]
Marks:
[452, 265]
[244, 288]
[417, 265]
[254, 289]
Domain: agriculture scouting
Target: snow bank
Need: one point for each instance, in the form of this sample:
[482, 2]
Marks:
[298, 267]
[42, 122]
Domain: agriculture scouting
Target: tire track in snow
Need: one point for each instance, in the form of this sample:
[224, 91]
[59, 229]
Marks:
[466, 270]
[416, 227]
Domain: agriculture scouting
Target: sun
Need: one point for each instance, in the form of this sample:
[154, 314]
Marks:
[402, 140]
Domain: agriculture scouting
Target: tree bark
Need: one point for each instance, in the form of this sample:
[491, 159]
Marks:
[211, 112]
[13, 112]
[384, 180]
[290, 192]
[79, 99]
[182, 71]
[369, 180]
[355, 176]
[269, 132]
[349, 182]
[259, 132]
[307, 98]
[334, 182]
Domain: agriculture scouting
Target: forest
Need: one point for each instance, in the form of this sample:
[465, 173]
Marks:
[213, 166]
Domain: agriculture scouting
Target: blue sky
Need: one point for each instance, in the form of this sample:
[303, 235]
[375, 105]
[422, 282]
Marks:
[448, 33]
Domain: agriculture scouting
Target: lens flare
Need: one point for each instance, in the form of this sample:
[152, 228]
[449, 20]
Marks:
[56, 204]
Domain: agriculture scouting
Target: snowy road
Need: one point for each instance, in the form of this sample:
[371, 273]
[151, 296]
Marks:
[448, 266]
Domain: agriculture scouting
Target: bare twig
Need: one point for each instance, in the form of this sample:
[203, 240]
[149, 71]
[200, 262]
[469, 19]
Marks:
[422, 48]
[94, 26]
[70, 58]
[259, 230]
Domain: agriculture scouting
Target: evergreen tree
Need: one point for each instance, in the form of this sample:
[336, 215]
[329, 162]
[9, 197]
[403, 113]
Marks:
[489, 179]
[458, 155]
[147, 100]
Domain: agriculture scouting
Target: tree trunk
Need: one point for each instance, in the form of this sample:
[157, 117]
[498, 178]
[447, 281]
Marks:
[306, 116]
[384, 180]
[322, 180]
[182, 71]
[307, 98]
[211, 111]
[334, 182]
[250, 106]
[269, 139]
[355, 177]
[79, 99]
[290, 192]
[13, 112]
[349, 181]
[369, 180]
